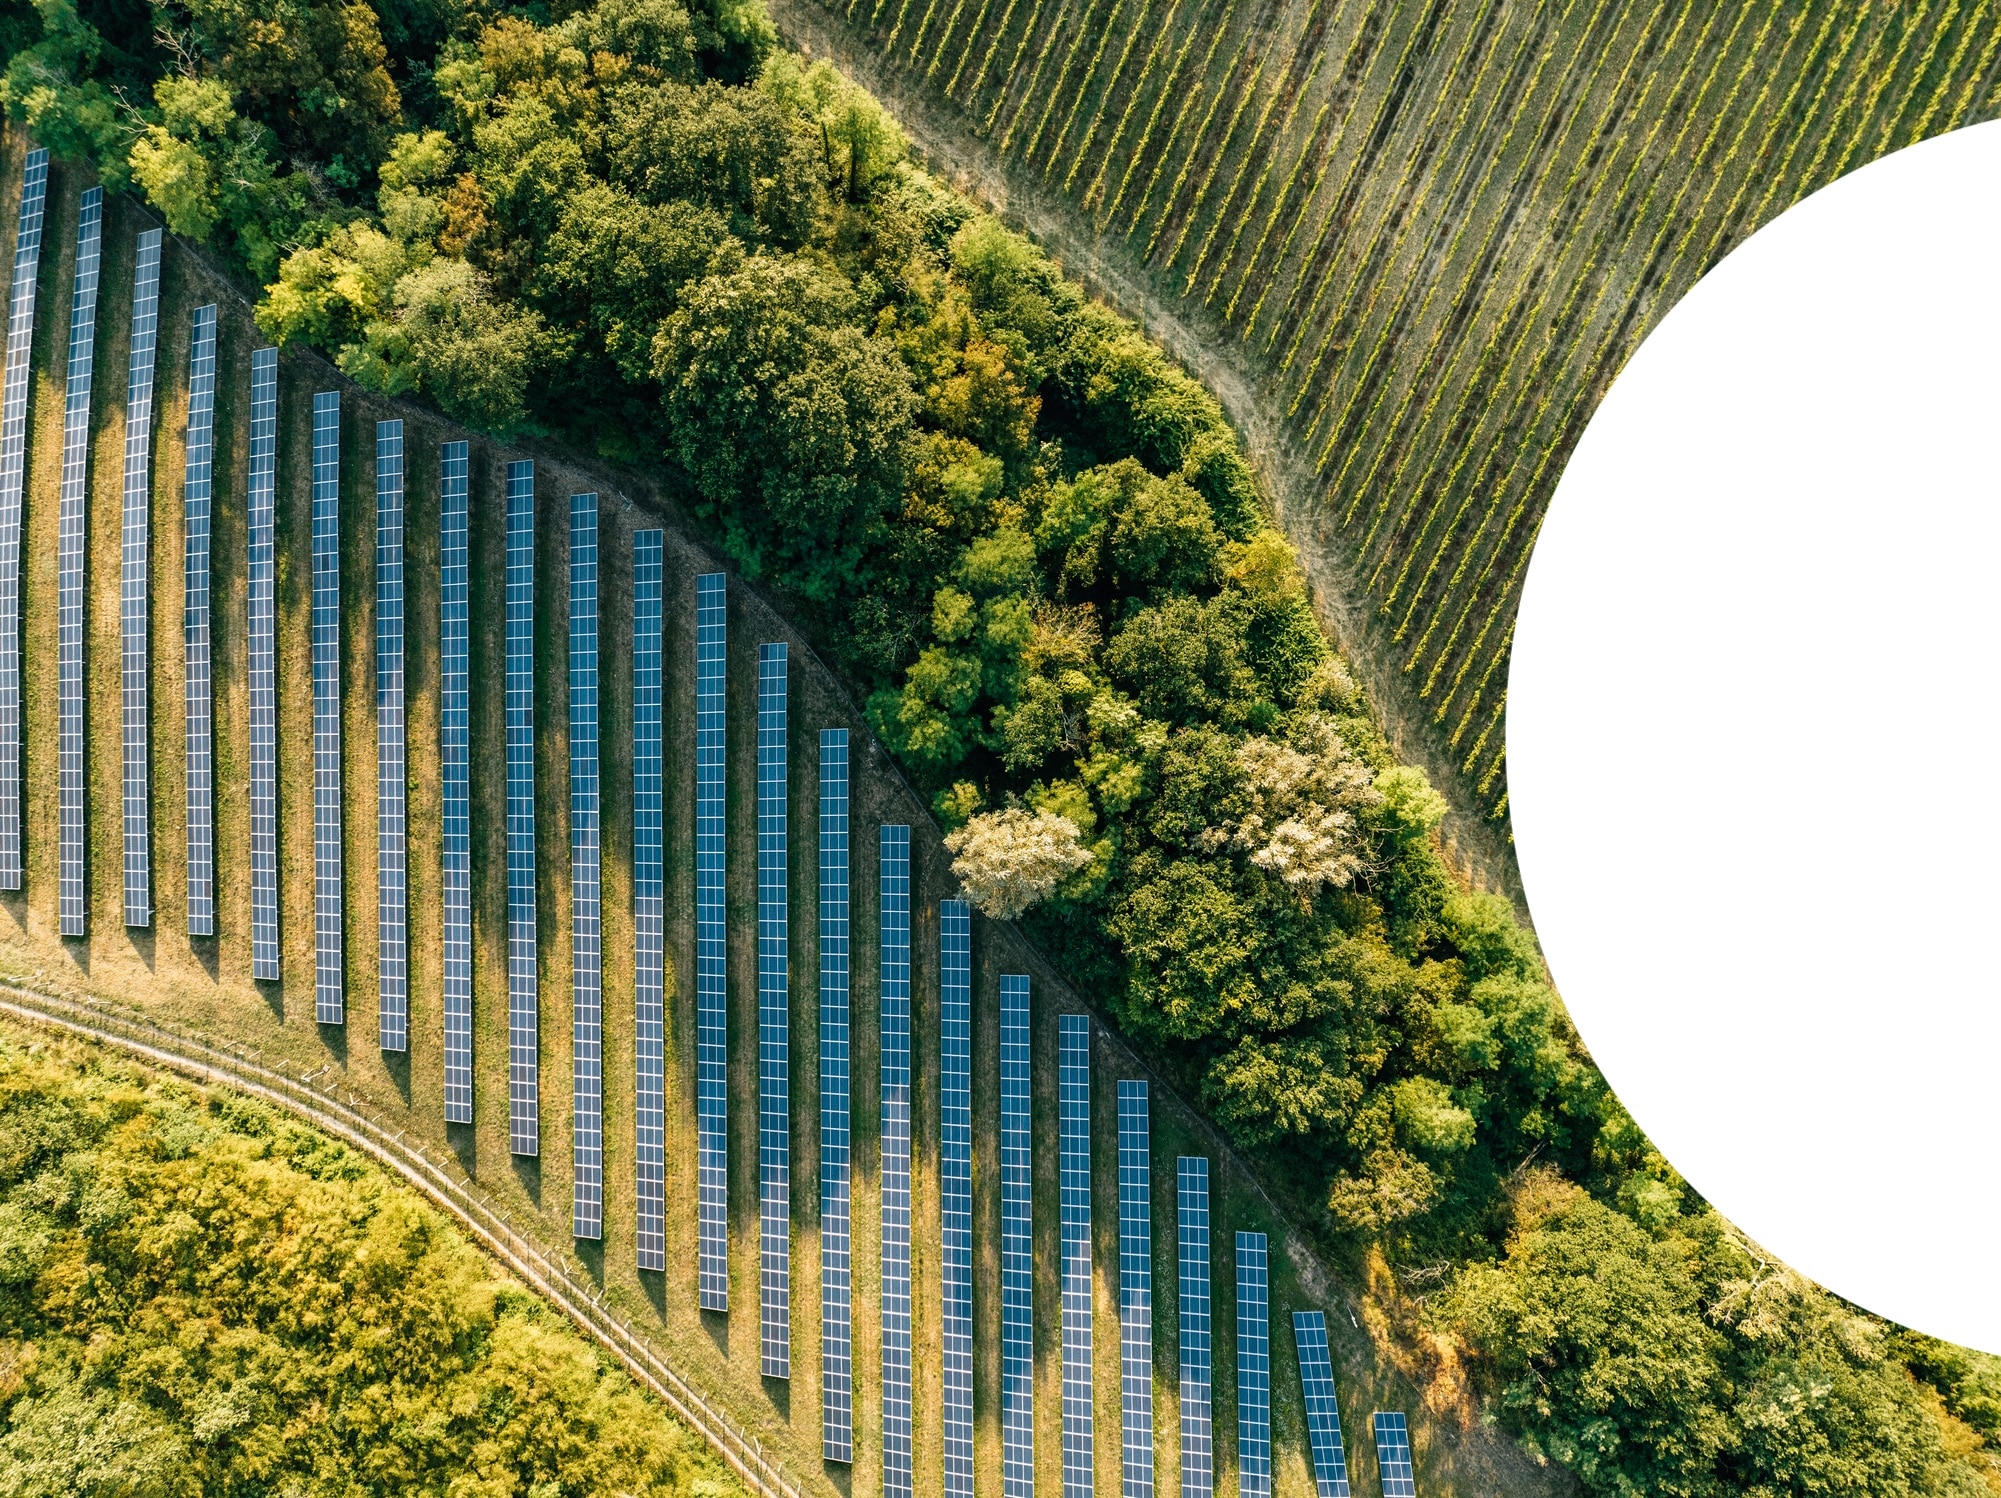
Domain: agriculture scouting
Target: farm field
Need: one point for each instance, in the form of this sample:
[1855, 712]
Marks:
[1428, 233]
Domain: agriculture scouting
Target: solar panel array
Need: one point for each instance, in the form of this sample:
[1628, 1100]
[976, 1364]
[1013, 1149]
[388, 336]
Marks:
[1073, 1163]
[329, 1001]
[837, 1431]
[1135, 1292]
[649, 1016]
[71, 605]
[523, 1058]
[1253, 1369]
[455, 792]
[135, 583]
[1017, 1246]
[893, 988]
[955, 1185]
[262, 613]
[1323, 1410]
[13, 478]
[712, 1184]
[1198, 1451]
[774, 1023]
[586, 950]
[392, 915]
[1393, 1455]
[196, 496]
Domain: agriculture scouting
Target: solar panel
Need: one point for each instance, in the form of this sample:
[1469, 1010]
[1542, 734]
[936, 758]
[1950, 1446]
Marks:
[329, 999]
[1323, 1411]
[1017, 1247]
[1393, 1455]
[649, 1016]
[71, 602]
[392, 915]
[955, 1185]
[1253, 1369]
[135, 583]
[837, 1437]
[1073, 1116]
[774, 1024]
[711, 945]
[196, 496]
[13, 475]
[262, 582]
[586, 952]
[1198, 1452]
[1135, 1292]
[523, 1056]
[455, 795]
[893, 987]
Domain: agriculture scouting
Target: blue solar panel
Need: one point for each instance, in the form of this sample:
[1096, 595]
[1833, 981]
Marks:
[523, 1044]
[1017, 1246]
[893, 986]
[1135, 1292]
[774, 1024]
[1323, 1411]
[135, 584]
[262, 545]
[711, 944]
[586, 952]
[71, 603]
[329, 1002]
[455, 795]
[1393, 1455]
[1073, 1115]
[955, 1185]
[13, 475]
[1198, 1451]
[1253, 1369]
[392, 915]
[837, 1435]
[648, 910]
[196, 498]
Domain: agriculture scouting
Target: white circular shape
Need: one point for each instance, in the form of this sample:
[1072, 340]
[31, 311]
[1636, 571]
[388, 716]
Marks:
[1752, 733]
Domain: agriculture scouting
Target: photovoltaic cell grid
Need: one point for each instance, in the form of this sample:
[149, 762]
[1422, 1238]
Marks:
[955, 1185]
[135, 583]
[71, 517]
[262, 543]
[197, 494]
[649, 1014]
[392, 893]
[1393, 1455]
[455, 795]
[837, 1437]
[1135, 1291]
[1323, 1412]
[13, 476]
[893, 986]
[1017, 1247]
[523, 1060]
[1073, 1114]
[774, 1026]
[712, 1187]
[1253, 1369]
[1198, 1452]
[586, 951]
[329, 1000]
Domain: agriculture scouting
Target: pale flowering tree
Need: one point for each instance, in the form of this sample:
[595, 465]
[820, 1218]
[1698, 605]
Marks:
[1009, 860]
[1309, 799]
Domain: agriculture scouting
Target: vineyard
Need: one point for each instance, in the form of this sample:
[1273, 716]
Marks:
[1432, 232]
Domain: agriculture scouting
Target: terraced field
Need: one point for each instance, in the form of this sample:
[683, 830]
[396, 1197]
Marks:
[1429, 232]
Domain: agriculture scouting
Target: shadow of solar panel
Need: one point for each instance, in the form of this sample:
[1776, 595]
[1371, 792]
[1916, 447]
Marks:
[1017, 1246]
[1073, 1116]
[837, 1440]
[1393, 1455]
[455, 796]
[1198, 1451]
[72, 606]
[13, 476]
[199, 708]
[523, 1042]
[586, 952]
[711, 946]
[1253, 1369]
[329, 913]
[392, 894]
[893, 987]
[1135, 1292]
[261, 638]
[1323, 1411]
[135, 584]
[648, 910]
[955, 1186]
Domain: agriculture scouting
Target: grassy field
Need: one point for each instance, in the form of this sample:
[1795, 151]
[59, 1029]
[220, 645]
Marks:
[1429, 233]
[205, 985]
